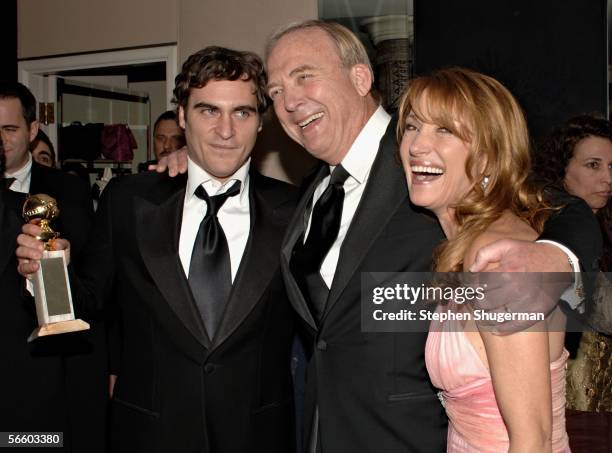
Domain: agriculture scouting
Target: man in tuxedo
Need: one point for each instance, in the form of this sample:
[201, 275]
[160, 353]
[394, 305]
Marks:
[366, 392]
[194, 264]
[19, 128]
[55, 383]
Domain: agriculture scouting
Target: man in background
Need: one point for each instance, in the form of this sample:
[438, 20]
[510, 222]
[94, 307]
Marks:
[56, 383]
[168, 136]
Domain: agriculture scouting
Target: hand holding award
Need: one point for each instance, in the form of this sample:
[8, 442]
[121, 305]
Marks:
[54, 307]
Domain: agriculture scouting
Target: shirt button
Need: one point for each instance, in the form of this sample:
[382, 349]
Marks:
[209, 368]
[321, 345]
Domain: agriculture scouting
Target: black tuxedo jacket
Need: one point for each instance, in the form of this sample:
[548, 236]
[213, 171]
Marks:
[177, 390]
[56, 383]
[576, 227]
[372, 390]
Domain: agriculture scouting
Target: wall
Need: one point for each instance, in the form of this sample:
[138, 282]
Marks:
[242, 24]
[47, 27]
[52, 27]
[551, 55]
[246, 24]
[157, 94]
[8, 40]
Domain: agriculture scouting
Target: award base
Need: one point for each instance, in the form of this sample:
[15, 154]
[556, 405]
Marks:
[55, 328]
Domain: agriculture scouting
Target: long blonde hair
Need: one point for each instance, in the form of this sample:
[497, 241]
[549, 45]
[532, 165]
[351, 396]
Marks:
[493, 125]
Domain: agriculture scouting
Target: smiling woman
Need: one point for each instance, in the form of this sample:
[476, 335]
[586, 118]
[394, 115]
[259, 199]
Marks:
[465, 150]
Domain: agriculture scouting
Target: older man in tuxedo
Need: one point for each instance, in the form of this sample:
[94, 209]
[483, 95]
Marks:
[194, 261]
[366, 392]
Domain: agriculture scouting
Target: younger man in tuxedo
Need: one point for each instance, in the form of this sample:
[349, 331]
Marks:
[194, 261]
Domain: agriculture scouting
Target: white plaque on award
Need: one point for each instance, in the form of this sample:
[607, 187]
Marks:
[54, 308]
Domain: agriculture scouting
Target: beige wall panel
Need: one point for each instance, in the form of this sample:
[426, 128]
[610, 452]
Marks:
[50, 27]
[246, 24]
[240, 24]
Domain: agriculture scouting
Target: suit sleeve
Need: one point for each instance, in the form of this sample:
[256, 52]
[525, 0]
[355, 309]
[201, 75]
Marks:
[575, 226]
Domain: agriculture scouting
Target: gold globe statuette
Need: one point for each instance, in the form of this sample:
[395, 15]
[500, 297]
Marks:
[44, 208]
[52, 294]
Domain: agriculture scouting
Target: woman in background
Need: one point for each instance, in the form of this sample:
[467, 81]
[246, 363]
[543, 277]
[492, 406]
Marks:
[465, 150]
[577, 158]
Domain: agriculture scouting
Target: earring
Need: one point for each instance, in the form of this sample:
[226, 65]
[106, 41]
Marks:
[484, 183]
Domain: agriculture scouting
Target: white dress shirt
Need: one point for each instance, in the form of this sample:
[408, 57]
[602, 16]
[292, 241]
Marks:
[23, 176]
[234, 215]
[357, 162]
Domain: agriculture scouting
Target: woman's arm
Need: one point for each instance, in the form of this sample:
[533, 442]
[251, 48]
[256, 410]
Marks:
[520, 370]
[519, 364]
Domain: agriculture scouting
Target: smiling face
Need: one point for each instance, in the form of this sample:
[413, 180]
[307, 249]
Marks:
[221, 123]
[434, 159]
[589, 172]
[321, 104]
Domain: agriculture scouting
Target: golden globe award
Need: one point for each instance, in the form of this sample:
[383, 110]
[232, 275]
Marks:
[51, 285]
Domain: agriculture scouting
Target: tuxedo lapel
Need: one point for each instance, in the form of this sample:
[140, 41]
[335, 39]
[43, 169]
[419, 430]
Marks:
[158, 227]
[9, 225]
[295, 232]
[35, 177]
[39, 180]
[258, 265]
[385, 191]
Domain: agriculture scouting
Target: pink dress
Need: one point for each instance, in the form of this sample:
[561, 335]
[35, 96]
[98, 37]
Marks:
[475, 424]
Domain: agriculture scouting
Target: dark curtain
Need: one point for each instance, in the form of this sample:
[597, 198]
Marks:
[551, 54]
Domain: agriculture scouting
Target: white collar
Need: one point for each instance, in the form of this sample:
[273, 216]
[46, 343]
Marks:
[362, 152]
[197, 176]
[22, 174]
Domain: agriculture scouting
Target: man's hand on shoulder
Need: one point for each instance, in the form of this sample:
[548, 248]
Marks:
[526, 277]
[511, 255]
[174, 163]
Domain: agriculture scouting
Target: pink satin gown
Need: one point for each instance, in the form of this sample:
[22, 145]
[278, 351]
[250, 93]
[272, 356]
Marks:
[475, 423]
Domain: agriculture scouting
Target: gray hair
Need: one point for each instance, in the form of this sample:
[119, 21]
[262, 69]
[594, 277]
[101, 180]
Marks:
[350, 49]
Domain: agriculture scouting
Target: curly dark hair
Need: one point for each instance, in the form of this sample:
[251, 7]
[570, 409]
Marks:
[219, 63]
[556, 150]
